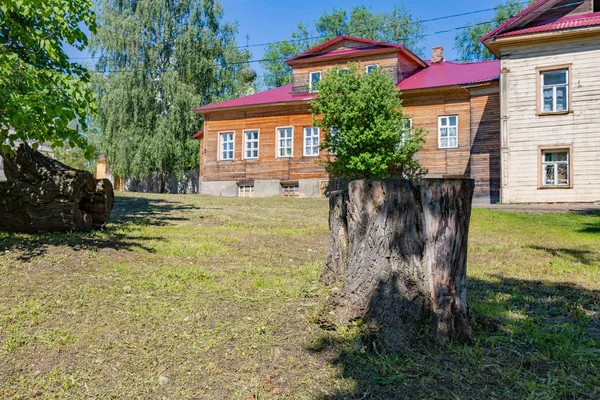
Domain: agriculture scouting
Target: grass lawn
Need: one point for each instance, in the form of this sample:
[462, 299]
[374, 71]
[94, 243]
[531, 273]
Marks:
[210, 298]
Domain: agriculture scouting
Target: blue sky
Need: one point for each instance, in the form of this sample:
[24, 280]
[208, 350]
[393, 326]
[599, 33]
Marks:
[272, 20]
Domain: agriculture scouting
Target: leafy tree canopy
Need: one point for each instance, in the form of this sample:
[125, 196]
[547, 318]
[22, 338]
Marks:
[160, 59]
[365, 127]
[42, 91]
[467, 42]
[397, 26]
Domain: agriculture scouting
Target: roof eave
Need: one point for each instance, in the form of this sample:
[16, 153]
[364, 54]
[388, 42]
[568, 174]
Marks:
[263, 105]
[466, 86]
[496, 43]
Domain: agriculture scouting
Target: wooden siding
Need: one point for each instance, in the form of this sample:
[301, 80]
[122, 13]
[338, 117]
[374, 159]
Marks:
[476, 155]
[268, 165]
[424, 109]
[397, 67]
[524, 132]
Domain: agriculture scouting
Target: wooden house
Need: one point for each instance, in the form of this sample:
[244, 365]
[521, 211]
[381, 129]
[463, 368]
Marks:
[265, 145]
[550, 91]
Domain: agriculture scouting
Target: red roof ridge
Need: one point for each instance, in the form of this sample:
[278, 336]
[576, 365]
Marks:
[340, 38]
[506, 24]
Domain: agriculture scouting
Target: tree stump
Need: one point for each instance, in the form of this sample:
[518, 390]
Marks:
[44, 195]
[404, 270]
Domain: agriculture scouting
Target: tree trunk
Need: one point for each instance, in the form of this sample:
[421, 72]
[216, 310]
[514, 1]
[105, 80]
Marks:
[43, 195]
[338, 227]
[405, 269]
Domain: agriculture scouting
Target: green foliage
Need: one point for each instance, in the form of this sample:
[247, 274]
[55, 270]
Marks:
[160, 60]
[42, 91]
[370, 138]
[467, 42]
[397, 26]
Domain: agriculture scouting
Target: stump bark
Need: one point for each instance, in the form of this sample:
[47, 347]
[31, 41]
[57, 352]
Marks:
[44, 195]
[403, 266]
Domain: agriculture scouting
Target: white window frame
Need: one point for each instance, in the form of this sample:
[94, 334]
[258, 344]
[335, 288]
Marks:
[371, 66]
[405, 132]
[447, 127]
[244, 156]
[310, 129]
[250, 190]
[310, 80]
[344, 70]
[278, 147]
[555, 164]
[232, 133]
[554, 91]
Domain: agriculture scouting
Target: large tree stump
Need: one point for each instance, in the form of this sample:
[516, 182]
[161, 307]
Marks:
[405, 269]
[44, 195]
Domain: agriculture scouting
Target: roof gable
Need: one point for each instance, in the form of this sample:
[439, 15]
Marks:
[348, 46]
[547, 16]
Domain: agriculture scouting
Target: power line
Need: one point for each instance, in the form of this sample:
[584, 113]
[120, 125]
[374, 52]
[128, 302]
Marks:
[321, 37]
[283, 58]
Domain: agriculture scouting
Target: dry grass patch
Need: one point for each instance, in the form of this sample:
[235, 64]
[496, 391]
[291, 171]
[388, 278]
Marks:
[220, 296]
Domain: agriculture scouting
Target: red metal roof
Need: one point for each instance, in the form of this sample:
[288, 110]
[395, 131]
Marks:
[198, 135]
[531, 12]
[448, 73]
[376, 45]
[569, 22]
[445, 73]
[514, 19]
[281, 94]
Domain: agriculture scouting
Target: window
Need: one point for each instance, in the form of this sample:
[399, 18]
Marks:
[245, 190]
[251, 144]
[344, 71]
[285, 140]
[371, 67]
[405, 131]
[311, 141]
[227, 145]
[448, 132]
[554, 90]
[333, 132]
[555, 168]
[315, 78]
[290, 189]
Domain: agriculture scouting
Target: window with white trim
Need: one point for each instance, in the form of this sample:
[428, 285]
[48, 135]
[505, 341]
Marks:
[555, 168]
[285, 142]
[311, 141]
[344, 70]
[371, 67]
[448, 132]
[251, 144]
[555, 90]
[227, 145]
[333, 132]
[315, 78]
[405, 131]
[245, 190]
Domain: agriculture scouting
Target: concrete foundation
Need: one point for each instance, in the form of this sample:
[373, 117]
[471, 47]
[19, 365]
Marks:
[262, 188]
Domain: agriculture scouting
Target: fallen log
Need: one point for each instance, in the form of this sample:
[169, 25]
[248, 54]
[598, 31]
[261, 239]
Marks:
[403, 266]
[44, 195]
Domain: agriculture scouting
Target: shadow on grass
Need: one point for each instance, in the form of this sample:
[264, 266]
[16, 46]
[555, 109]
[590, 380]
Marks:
[128, 212]
[532, 339]
[586, 257]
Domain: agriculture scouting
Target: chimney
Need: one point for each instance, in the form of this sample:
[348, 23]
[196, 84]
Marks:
[437, 55]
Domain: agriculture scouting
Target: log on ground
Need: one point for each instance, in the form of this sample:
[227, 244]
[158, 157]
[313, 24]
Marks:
[44, 195]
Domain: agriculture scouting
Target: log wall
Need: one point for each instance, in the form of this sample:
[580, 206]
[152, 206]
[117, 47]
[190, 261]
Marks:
[477, 155]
